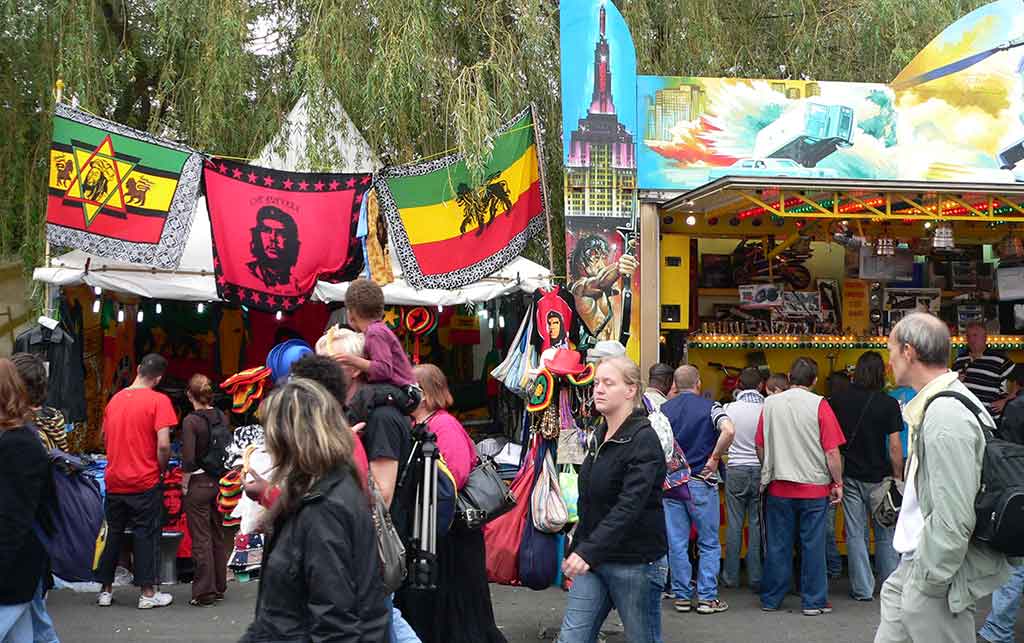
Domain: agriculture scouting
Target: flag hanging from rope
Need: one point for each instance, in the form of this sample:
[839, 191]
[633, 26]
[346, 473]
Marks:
[276, 233]
[117, 192]
[449, 230]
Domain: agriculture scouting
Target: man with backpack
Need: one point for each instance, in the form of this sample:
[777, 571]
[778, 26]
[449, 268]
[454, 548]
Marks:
[943, 570]
[137, 429]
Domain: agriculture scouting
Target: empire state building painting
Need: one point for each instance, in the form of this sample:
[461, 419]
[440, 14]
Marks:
[598, 113]
[598, 137]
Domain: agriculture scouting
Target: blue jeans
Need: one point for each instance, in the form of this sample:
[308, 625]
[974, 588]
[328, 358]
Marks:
[634, 590]
[401, 631]
[1001, 620]
[706, 517]
[856, 509]
[27, 622]
[833, 558]
[781, 518]
[742, 500]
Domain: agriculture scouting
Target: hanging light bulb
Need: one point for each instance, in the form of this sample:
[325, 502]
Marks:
[927, 225]
[97, 290]
[120, 315]
[490, 323]
[96, 307]
[278, 315]
[440, 308]
[501, 322]
[200, 307]
[139, 317]
[691, 220]
[159, 308]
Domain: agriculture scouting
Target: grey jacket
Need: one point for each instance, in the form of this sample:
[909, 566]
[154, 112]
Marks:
[948, 562]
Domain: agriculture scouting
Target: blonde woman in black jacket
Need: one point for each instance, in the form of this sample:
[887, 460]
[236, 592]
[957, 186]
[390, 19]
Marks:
[320, 579]
[617, 557]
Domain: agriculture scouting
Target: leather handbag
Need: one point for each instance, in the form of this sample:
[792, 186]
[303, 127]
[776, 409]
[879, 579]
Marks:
[484, 497]
[389, 544]
[546, 504]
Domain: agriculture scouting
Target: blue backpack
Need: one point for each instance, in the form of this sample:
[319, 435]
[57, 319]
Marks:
[78, 527]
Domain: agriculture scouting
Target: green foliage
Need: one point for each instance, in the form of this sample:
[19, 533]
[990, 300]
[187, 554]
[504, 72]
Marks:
[418, 77]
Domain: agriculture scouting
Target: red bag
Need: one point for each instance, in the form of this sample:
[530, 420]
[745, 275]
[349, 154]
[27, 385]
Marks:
[504, 534]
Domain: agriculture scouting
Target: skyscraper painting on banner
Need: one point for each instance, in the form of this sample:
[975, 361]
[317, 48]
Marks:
[450, 229]
[117, 192]
[599, 129]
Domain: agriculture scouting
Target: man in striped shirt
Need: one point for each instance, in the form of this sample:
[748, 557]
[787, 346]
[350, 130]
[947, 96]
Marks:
[983, 370]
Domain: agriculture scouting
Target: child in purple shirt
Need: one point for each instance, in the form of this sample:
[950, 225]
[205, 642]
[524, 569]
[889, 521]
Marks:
[385, 361]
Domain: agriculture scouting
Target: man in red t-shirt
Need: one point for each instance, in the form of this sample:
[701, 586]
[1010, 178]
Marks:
[798, 440]
[137, 430]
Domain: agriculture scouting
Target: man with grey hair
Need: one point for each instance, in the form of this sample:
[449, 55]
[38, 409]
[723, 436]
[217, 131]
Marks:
[984, 370]
[704, 432]
[942, 572]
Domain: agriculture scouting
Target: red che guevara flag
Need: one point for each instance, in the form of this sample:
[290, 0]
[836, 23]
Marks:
[276, 233]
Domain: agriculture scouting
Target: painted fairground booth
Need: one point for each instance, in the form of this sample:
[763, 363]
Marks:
[780, 217]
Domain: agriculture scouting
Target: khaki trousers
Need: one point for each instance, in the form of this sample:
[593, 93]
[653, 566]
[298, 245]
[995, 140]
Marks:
[909, 615]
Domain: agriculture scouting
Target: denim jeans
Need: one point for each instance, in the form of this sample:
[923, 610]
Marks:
[856, 509]
[782, 515]
[633, 590]
[42, 624]
[832, 556]
[706, 516]
[1001, 620]
[27, 622]
[401, 631]
[742, 501]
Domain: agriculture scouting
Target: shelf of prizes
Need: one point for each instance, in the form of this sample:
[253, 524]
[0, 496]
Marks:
[761, 277]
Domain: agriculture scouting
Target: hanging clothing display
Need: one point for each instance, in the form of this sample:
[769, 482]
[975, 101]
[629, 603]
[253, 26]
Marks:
[118, 192]
[556, 323]
[450, 228]
[276, 233]
[378, 257]
[66, 374]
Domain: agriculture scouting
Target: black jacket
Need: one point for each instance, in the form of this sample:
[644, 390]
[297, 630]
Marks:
[621, 517]
[66, 382]
[321, 572]
[26, 494]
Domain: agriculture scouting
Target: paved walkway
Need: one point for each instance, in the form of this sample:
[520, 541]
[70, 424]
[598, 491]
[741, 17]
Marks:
[523, 615]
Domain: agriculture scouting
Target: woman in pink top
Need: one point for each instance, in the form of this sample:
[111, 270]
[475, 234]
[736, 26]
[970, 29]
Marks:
[460, 610]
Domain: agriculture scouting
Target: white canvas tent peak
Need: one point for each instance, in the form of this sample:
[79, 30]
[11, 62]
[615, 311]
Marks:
[193, 280]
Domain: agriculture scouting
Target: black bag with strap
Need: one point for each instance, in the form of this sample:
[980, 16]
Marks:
[213, 461]
[999, 505]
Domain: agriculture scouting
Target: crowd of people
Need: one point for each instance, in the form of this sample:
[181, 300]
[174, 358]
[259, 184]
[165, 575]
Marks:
[341, 425]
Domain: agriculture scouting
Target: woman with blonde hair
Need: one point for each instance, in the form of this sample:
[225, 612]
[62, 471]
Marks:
[460, 610]
[617, 557]
[209, 551]
[320, 576]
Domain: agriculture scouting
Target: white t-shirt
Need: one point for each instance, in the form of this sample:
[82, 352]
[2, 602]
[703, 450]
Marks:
[910, 523]
[745, 413]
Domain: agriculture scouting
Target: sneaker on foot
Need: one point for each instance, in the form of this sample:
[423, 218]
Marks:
[765, 608]
[104, 599]
[158, 599]
[818, 611]
[712, 607]
[683, 604]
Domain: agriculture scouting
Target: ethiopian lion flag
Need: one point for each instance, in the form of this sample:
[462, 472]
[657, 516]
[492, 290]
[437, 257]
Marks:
[117, 192]
[449, 230]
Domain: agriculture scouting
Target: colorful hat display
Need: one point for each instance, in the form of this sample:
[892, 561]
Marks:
[281, 357]
[566, 362]
[541, 392]
[586, 376]
[246, 387]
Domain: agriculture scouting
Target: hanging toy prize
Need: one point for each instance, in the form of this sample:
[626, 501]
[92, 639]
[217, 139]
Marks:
[419, 321]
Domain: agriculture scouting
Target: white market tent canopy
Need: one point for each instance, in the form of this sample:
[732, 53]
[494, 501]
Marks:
[194, 278]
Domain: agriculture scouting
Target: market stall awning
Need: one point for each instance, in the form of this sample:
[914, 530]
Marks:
[738, 206]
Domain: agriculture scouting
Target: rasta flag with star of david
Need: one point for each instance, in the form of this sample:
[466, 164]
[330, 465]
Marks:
[275, 234]
[116, 192]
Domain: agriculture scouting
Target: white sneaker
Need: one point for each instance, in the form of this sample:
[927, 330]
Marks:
[158, 599]
[104, 599]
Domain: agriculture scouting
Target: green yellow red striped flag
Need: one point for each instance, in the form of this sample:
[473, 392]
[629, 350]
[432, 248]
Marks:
[449, 230]
[118, 192]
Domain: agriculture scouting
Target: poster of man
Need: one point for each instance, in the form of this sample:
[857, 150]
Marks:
[274, 247]
[598, 276]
